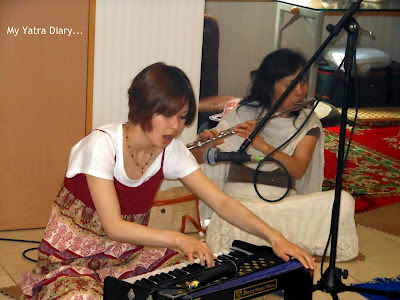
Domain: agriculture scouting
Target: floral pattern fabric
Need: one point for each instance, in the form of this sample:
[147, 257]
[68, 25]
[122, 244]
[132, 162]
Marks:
[75, 255]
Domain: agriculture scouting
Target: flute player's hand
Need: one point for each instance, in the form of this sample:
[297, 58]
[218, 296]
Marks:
[206, 135]
[245, 129]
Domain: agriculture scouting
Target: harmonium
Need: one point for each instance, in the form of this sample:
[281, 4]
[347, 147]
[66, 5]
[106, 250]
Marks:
[245, 271]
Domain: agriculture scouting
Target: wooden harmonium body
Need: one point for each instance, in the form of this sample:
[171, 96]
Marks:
[245, 271]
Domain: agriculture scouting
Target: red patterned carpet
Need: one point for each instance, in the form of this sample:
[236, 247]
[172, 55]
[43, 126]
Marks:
[372, 173]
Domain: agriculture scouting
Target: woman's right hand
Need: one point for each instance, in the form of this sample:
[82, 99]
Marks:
[194, 248]
[245, 129]
[286, 249]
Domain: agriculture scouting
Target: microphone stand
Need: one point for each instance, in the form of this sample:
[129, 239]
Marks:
[331, 280]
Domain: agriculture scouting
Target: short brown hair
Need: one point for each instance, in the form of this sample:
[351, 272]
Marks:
[160, 89]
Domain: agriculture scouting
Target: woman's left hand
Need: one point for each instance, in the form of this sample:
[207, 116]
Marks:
[205, 135]
[208, 135]
[285, 250]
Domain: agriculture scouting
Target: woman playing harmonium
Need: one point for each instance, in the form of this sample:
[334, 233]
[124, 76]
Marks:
[303, 216]
[98, 223]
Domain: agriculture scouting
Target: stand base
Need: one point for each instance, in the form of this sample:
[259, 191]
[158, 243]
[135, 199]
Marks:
[331, 283]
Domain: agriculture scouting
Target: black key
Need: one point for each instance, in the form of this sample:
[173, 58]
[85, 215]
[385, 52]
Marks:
[156, 279]
[193, 268]
[147, 282]
[165, 276]
[224, 257]
[178, 273]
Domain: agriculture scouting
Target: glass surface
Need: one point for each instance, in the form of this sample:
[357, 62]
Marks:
[372, 5]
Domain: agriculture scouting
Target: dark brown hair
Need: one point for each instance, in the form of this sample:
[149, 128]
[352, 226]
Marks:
[160, 89]
[274, 67]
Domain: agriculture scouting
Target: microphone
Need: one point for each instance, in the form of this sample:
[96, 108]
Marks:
[227, 269]
[213, 156]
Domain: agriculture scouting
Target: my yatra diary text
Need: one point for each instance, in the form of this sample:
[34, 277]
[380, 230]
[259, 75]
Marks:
[50, 30]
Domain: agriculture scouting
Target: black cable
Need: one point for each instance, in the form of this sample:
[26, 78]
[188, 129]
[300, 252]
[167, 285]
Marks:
[289, 182]
[26, 251]
[327, 91]
[269, 157]
[353, 124]
[16, 240]
[23, 241]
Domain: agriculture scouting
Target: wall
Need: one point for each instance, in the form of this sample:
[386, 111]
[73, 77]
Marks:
[43, 103]
[131, 35]
[247, 32]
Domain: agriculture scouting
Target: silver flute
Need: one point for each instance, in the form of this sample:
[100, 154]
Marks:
[230, 131]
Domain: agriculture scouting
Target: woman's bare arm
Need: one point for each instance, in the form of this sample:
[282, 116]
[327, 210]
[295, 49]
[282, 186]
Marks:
[107, 206]
[238, 215]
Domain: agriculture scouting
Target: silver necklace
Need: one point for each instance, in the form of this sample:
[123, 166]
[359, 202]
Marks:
[133, 157]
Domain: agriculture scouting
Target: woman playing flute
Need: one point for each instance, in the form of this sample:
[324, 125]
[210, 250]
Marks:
[274, 75]
[303, 158]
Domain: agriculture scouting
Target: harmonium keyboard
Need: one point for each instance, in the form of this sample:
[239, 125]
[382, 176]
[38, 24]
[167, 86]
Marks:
[245, 271]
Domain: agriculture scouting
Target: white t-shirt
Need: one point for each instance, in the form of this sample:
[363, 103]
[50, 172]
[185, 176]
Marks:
[100, 154]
